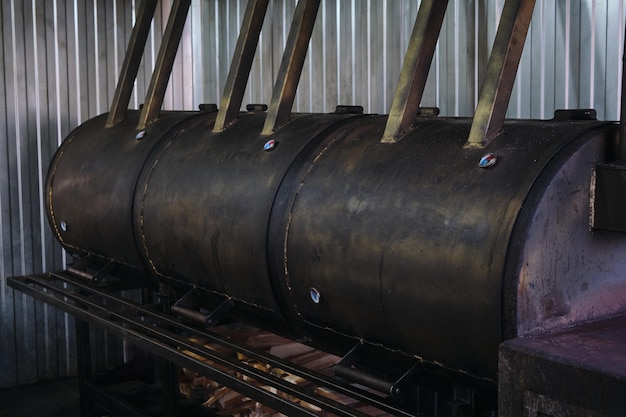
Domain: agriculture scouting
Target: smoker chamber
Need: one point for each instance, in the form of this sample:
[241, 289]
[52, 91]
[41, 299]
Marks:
[426, 239]
[411, 245]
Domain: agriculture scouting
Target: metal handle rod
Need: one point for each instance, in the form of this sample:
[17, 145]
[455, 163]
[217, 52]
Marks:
[291, 65]
[414, 74]
[501, 71]
[132, 59]
[622, 118]
[239, 71]
[164, 64]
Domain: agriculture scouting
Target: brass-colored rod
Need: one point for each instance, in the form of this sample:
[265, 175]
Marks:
[291, 65]
[132, 59]
[501, 71]
[419, 56]
[622, 118]
[164, 63]
[239, 70]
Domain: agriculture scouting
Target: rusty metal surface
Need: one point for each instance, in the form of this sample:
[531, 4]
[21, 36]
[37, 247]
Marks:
[404, 250]
[501, 71]
[406, 102]
[60, 70]
[132, 60]
[291, 65]
[410, 257]
[575, 372]
[91, 185]
[164, 63]
[204, 200]
[242, 62]
[567, 274]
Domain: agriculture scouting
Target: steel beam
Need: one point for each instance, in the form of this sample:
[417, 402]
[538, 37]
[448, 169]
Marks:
[414, 74]
[165, 61]
[622, 118]
[132, 59]
[291, 65]
[239, 71]
[501, 71]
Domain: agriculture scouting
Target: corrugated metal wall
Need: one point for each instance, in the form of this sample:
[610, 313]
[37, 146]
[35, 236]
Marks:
[59, 62]
[572, 56]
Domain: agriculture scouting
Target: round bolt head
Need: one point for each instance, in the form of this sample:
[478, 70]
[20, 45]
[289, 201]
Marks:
[488, 161]
[63, 226]
[140, 135]
[316, 295]
[269, 145]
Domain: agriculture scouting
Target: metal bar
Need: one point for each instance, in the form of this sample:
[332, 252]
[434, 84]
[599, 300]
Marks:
[132, 59]
[622, 119]
[104, 321]
[289, 367]
[169, 385]
[365, 379]
[193, 315]
[168, 344]
[291, 65]
[501, 71]
[83, 358]
[239, 70]
[164, 63]
[171, 338]
[419, 56]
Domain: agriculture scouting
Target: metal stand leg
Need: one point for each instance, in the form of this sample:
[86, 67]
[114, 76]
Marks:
[168, 375]
[83, 351]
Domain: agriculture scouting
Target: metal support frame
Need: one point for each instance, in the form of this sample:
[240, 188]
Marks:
[239, 71]
[168, 337]
[187, 307]
[388, 383]
[165, 61]
[83, 349]
[132, 59]
[622, 119]
[501, 72]
[419, 56]
[291, 65]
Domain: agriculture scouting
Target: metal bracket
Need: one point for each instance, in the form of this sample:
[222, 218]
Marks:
[348, 368]
[80, 269]
[501, 72]
[608, 198]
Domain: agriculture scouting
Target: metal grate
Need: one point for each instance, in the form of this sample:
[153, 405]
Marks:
[147, 327]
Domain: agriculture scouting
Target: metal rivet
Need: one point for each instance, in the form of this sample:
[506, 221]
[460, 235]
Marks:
[140, 135]
[488, 161]
[269, 145]
[315, 294]
[64, 226]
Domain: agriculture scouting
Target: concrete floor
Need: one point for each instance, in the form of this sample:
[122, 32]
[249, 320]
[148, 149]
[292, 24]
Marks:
[46, 399]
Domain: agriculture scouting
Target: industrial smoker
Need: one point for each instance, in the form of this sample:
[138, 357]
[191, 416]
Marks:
[438, 255]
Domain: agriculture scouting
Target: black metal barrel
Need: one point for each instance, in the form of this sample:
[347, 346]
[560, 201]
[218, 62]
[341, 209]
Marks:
[410, 246]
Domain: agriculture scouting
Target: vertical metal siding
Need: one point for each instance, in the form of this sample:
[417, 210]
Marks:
[572, 56]
[59, 62]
